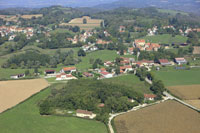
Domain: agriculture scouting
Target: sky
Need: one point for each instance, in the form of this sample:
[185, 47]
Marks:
[44, 3]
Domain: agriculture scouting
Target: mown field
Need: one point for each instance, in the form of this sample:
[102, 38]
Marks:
[130, 81]
[189, 93]
[16, 91]
[179, 77]
[167, 117]
[26, 118]
[166, 39]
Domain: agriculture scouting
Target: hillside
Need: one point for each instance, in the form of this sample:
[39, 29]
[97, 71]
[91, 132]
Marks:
[183, 5]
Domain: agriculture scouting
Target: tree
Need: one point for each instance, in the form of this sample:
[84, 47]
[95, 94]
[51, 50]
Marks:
[117, 71]
[95, 65]
[81, 52]
[27, 72]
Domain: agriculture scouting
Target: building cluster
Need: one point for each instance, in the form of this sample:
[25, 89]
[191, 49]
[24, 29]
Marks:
[142, 45]
[153, 31]
[11, 31]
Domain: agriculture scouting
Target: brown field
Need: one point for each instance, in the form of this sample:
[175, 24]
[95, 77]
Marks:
[9, 18]
[91, 23]
[16, 91]
[196, 50]
[167, 117]
[31, 16]
[186, 92]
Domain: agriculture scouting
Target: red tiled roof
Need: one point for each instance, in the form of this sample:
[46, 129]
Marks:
[84, 112]
[69, 68]
[163, 61]
[149, 96]
[105, 73]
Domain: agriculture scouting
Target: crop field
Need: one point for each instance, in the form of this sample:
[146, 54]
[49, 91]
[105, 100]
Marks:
[31, 16]
[196, 50]
[167, 117]
[165, 39]
[131, 81]
[91, 23]
[25, 118]
[14, 92]
[178, 77]
[189, 93]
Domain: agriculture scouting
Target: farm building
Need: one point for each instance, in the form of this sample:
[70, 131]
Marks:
[149, 97]
[106, 74]
[87, 74]
[180, 61]
[68, 70]
[125, 69]
[17, 76]
[64, 76]
[164, 62]
[49, 72]
[85, 114]
[143, 63]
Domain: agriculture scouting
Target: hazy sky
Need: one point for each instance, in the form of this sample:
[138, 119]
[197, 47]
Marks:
[40, 3]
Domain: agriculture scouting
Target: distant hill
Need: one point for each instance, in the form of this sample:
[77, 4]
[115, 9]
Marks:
[182, 5]
[47, 3]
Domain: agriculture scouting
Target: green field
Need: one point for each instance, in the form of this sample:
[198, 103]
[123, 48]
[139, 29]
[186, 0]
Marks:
[172, 12]
[179, 77]
[130, 81]
[165, 39]
[104, 55]
[25, 118]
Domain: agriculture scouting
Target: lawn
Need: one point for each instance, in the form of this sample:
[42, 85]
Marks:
[104, 55]
[179, 77]
[165, 39]
[25, 118]
[130, 81]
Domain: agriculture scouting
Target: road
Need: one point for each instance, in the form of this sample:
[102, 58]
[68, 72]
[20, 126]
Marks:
[180, 101]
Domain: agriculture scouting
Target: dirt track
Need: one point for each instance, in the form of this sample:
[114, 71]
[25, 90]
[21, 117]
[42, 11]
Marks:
[14, 92]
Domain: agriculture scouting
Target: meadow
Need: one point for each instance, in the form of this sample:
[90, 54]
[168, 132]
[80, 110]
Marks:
[166, 117]
[178, 77]
[131, 81]
[25, 118]
[166, 39]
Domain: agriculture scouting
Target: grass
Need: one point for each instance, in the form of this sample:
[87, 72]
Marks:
[165, 39]
[130, 81]
[172, 12]
[25, 118]
[104, 55]
[179, 77]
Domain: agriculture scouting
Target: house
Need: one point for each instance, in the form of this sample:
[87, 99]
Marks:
[85, 114]
[108, 63]
[180, 61]
[140, 42]
[144, 63]
[125, 69]
[164, 62]
[87, 74]
[106, 74]
[17, 76]
[122, 29]
[68, 70]
[47, 72]
[64, 76]
[149, 97]
[101, 105]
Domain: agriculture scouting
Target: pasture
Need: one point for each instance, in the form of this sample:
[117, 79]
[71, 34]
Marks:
[25, 118]
[131, 81]
[178, 77]
[166, 39]
[16, 91]
[166, 117]
[31, 16]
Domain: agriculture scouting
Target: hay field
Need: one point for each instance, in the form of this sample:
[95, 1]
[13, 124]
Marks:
[186, 92]
[31, 16]
[189, 93]
[16, 91]
[167, 117]
[196, 50]
[91, 23]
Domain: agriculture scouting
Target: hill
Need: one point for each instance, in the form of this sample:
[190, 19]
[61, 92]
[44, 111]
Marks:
[183, 5]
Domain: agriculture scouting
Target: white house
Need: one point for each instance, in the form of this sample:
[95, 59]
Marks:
[180, 61]
[149, 97]
[106, 74]
[68, 70]
[64, 76]
[85, 114]
[17, 76]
